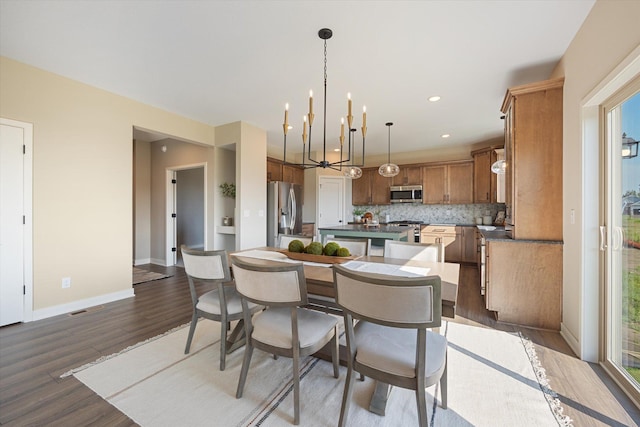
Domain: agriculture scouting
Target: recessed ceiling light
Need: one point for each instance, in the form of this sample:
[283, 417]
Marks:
[336, 149]
[289, 127]
[446, 135]
[434, 98]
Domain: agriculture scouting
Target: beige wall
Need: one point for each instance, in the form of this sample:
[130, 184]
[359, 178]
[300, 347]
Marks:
[609, 35]
[82, 181]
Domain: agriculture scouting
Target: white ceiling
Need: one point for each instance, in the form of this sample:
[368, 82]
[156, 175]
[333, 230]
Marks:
[223, 61]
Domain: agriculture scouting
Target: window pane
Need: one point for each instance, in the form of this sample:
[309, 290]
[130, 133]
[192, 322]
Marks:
[626, 349]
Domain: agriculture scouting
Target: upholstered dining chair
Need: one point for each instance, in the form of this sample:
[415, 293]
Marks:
[285, 239]
[415, 251]
[357, 247]
[222, 304]
[392, 313]
[284, 328]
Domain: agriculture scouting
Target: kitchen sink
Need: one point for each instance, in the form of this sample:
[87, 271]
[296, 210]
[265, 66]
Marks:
[486, 227]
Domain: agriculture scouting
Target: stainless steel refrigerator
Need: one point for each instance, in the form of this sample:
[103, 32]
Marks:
[284, 210]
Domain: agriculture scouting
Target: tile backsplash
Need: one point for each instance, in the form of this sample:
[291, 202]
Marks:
[433, 214]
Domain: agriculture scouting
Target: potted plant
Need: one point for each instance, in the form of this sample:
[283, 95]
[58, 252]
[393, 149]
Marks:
[228, 190]
[357, 214]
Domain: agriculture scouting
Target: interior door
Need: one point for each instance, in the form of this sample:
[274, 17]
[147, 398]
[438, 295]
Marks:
[330, 201]
[11, 225]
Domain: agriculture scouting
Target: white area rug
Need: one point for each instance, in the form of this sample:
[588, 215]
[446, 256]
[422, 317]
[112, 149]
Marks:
[492, 382]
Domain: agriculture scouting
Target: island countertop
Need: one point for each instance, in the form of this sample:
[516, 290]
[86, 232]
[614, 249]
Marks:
[378, 232]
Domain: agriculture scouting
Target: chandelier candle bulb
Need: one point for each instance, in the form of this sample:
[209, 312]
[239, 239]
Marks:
[310, 104]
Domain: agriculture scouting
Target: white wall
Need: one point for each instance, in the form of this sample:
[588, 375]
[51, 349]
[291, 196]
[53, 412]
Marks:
[608, 36]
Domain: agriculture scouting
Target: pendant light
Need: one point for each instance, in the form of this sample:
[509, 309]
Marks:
[389, 169]
[352, 171]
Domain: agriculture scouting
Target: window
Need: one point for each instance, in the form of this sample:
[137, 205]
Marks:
[620, 238]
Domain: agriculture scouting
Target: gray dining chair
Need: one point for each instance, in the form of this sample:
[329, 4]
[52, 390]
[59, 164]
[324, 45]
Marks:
[357, 247]
[285, 327]
[414, 251]
[222, 304]
[392, 313]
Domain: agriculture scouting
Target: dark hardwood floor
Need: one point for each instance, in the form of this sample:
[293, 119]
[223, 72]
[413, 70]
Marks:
[34, 355]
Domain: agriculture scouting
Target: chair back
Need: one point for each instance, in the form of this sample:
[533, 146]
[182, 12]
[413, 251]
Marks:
[206, 265]
[402, 302]
[268, 282]
[414, 251]
[358, 247]
[285, 239]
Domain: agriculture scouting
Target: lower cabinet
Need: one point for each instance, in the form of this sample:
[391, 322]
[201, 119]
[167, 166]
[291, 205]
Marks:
[464, 248]
[524, 282]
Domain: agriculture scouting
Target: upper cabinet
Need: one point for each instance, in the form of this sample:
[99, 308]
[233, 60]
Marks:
[450, 183]
[533, 151]
[370, 189]
[293, 174]
[276, 171]
[409, 175]
[485, 182]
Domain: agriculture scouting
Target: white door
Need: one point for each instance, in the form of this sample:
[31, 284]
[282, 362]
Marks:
[13, 219]
[330, 201]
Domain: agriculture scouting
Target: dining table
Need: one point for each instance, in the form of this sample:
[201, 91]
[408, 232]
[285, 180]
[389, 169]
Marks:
[321, 292]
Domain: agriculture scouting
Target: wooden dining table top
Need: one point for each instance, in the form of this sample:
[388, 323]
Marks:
[320, 278]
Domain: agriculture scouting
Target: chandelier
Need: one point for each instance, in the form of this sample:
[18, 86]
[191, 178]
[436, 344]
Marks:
[352, 170]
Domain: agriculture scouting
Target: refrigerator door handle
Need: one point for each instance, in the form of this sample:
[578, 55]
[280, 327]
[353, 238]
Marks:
[292, 196]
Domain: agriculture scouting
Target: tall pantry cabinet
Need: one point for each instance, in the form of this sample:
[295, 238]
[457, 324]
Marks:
[524, 274]
[533, 149]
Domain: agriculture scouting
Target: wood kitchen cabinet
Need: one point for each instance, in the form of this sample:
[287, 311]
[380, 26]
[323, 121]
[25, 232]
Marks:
[533, 150]
[293, 174]
[485, 182]
[409, 175]
[277, 171]
[524, 282]
[274, 170]
[450, 183]
[464, 247]
[370, 189]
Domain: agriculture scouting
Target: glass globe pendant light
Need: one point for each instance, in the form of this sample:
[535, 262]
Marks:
[389, 169]
[352, 171]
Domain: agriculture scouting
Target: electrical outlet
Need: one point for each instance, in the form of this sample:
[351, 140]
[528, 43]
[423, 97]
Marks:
[66, 282]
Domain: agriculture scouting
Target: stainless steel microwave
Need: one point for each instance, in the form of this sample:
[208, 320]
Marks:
[406, 194]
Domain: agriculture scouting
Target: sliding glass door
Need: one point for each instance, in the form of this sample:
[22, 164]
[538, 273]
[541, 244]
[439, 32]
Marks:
[620, 238]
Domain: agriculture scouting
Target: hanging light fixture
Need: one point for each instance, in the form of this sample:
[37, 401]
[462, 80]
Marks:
[389, 169]
[353, 171]
[499, 167]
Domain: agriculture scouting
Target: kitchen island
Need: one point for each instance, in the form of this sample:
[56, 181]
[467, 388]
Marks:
[367, 232]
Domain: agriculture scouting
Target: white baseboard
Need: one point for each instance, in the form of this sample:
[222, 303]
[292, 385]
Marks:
[141, 261]
[57, 310]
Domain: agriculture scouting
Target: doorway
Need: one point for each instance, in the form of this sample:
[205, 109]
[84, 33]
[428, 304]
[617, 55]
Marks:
[186, 209]
[16, 241]
[620, 244]
[331, 201]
